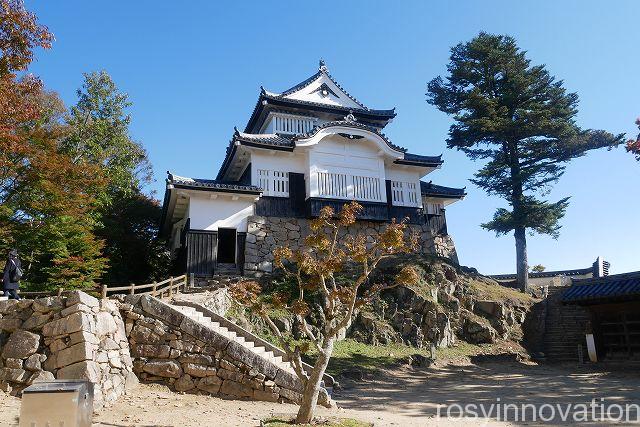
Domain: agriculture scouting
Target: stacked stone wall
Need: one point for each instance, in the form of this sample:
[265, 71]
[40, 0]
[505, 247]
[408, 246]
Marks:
[171, 348]
[66, 337]
[264, 234]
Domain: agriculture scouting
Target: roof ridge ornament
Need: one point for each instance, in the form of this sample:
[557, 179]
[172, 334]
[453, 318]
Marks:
[322, 67]
[350, 118]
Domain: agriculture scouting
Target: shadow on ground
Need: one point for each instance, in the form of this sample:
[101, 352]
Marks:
[502, 382]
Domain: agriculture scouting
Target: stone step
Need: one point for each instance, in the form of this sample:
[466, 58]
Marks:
[222, 330]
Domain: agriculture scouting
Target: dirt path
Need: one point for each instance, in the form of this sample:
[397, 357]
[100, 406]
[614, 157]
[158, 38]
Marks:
[404, 397]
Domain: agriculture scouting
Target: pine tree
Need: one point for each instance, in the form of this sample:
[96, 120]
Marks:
[520, 120]
[633, 145]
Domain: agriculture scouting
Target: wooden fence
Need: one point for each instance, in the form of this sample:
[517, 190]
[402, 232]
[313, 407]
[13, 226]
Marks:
[167, 288]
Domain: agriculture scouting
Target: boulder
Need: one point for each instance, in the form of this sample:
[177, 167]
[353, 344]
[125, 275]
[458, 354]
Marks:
[14, 375]
[76, 297]
[47, 304]
[10, 324]
[21, 344]
[105, 324]
[73, 323]
[85, 370]
[210, 384]
[143, 335]
[163, 368]
[75, 353]
[13, 363]
[34, 362]
[150, 350]
[79, 307]
[492, 309]
[232, 388]
[477, 331]
[184, 383]
[7, 306]
[196, 370]
[36, 321]
[41, 376]
[201, 359]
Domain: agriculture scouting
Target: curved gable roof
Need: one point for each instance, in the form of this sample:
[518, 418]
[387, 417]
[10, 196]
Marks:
[305, 95]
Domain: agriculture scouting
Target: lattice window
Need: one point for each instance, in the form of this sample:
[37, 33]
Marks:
[332, 184]
[292, 124]
[273, 183]
[434, 208]
[397, 195]
[404, 194]
[412, 193]
[343, 186]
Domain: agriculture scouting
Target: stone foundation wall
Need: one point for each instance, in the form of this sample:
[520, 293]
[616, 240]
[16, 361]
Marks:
[67, 337]
[171, 348]
[264, 234]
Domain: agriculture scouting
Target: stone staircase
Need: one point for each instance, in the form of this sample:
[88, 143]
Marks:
[236, 335]
[564, 329]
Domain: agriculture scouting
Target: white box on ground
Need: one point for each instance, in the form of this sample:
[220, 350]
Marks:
[67, 403]
[591, 348]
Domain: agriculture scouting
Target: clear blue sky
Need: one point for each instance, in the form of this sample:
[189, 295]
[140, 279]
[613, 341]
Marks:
[193, 71]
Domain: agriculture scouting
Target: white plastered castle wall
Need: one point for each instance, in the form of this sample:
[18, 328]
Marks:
[335, 154]
[273, 160]
[207, 213]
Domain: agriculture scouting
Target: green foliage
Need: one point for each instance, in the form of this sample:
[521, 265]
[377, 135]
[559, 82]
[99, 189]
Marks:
[69, 181]
[538, 268]
[520, 121]
[127, 219]
[99, 134]
[129, 228]
[45, 198]
[633, 145]
[62, 253]
[541, 217]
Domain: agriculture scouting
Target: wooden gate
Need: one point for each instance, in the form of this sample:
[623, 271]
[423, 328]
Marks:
[201, 252]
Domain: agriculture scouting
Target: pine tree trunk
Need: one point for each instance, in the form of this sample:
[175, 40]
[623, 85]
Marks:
[522, 267]
[312, 389]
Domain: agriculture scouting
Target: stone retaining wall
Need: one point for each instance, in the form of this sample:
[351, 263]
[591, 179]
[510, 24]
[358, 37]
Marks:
[264, 234]
[67, 337]
[172, 348]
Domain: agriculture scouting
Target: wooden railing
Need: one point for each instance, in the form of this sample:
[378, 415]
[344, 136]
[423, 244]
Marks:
[168, 288]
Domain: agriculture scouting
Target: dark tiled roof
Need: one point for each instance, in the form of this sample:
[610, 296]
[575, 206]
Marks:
[368, 111]
[263, 139]
[418, 160]
[210, 184]
[270, 141]
[615, 288]
[433, 190]
[543, 274]
[352, 124]
[267, 97]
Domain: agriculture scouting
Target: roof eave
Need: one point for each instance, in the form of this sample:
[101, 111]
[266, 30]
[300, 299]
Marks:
[264, 100]
[434, 164]
[217, 189]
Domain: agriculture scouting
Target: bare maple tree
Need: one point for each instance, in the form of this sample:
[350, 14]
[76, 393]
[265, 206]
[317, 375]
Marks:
[313, 269]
